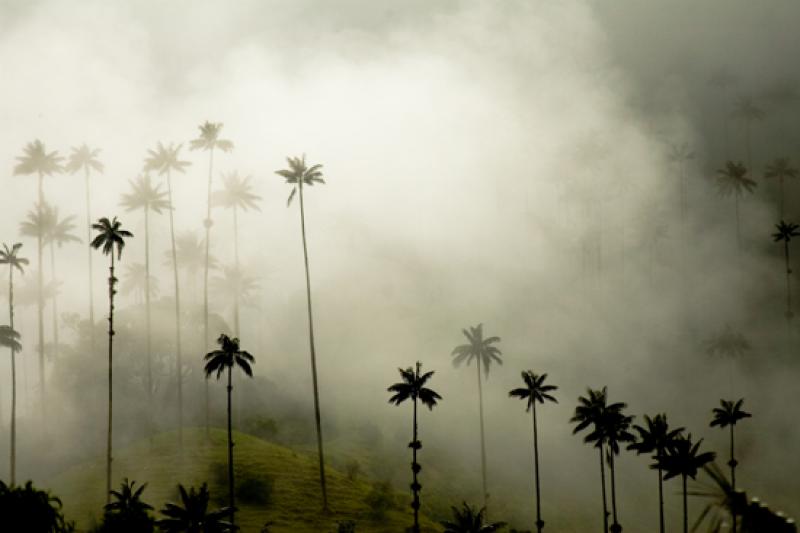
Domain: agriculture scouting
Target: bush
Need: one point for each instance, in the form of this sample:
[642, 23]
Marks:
[346, 526]
[380, 499]
[31, 510]
[254, 490]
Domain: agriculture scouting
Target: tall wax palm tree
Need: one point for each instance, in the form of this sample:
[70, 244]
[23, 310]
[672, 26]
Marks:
[299, 175]
[60, 233]
[654, 438]
[746, 110]
[615, 426]
[37, 160]
[10, 257]
[728, 415]
[110, 238]
[85, 158]
[787, 230]
[683, 458]
[147, 197]
[781, 169]
[136, 282]
[733, 180]
[193, 515]
[164, 160]
[469, 520]
[728, 344]
[535, 391]
[413, 387]
[235, 288]
[209, 141]
[484, 354]
[226, 358]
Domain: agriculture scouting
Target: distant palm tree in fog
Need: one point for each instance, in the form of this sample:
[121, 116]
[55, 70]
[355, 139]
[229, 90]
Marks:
[733, 180]
[413, 387]
[165, 160]
[299, 175]
[110, 238]
[190, 254]
[782, 170]
[655, 437]
[746, 110]
[226, 358]
[787, 230]
[192, 515]
[728, 415]
[137, 282]
[535, 391]
[37, 160]
[683, 458]
[234, 288]
[484, 354]
[10, 257]
[85, 158]
[681, 154]
[147, 197]
[470, 520]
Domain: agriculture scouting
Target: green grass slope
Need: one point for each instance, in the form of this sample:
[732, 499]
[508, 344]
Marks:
[294, 504]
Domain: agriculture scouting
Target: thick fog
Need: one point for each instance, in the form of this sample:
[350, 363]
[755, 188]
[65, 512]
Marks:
[497, 163]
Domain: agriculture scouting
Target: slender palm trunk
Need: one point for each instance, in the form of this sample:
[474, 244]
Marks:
[483, 442]
[40, 305]
[317, 416]
[738, 226]
[55, 298]
[207, 225]
[415, 486]
[148, 323]
[686, 508]
[238, 272]
[660, 495]
[732, 464]
[13, 466]
[615, 527]
[89, 256]
[230, 448]
[178, 355]
[111, 291]
[788, 280]
[747, 142]
[539, 521]
[603, 484]
[780, 193]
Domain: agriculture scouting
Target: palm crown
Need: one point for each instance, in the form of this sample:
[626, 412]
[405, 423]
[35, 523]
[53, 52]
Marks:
[786, 230]
[8, 256]
[746, 109]
[468, 520]
[46, 222]
[144, 195]
[233, 285]
[110, 236]
[478, 348]
[237, 193]
[136, 280]
[610, 424]
[729, 414]
[733, 179]
[535, 390]
[194, 515]
[680, 152]
[655, 436]
[9, 338]
[228, 356]
[128, 499]
[683, 458]
[781, 169]
[298, 174]
[190, 250]
[209, 138]
[37, 160]
[728, 343]
[413, 387]
[83, 157]
[165, 159]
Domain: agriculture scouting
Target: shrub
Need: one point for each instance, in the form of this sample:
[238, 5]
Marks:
[380, 499]
[254, 490]
[31, 510]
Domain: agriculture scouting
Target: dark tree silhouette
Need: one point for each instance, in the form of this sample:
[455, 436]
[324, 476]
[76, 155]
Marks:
[85, 158]
[615, 426]
[413, 387]
[127, 513]
[145, 196]
[683, 458]
[733, 180]
[781, 169]
[483, 353]
[37, 160]
[535, 391]
[110, 238]
[31, 510]
[192, 514]
[299, 175]
[728, 415]
[226, 358]
[724, 499]
[10, 257]
[654, 438]
[787, 230]
[747, 111]
[165, 159]
[469, 520]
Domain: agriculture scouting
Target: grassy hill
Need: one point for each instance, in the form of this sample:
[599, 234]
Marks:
[282, 484]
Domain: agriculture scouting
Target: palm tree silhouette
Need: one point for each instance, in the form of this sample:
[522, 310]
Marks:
[728, 344]
[58, 235]
[469, 520]
[37, 160]
[209, 141]
[190, 255]
[615, 426]
[193, 515]
[299, 175]
[165, 160]
[683, 458]
[535, 391]
[654, 438]
[234, 288]
[728, 415]
[787, 230]
[226, 358]
[413, 387]
[145, 196]
[85, 158]
[10, 257]
[138, 283]
[110, 237]
[746, 110]
[782, 170]
[483, 353]
[128, 513]
[733, 180]
[725, 499]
